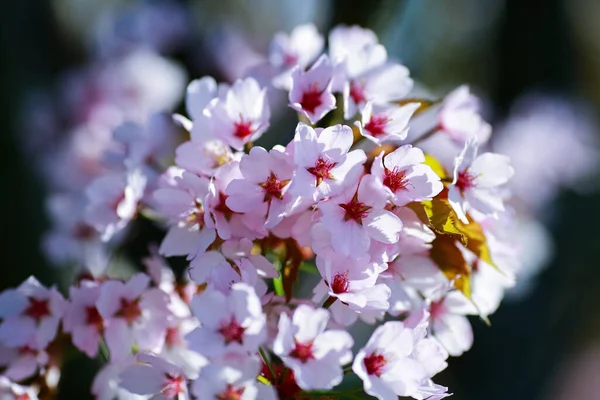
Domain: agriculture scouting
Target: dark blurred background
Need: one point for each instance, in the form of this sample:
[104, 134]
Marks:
[543, 346]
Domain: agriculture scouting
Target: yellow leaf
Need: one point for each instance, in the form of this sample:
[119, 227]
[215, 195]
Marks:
[476, 242]
[440, 217]
[451, 262]
[436, 166]
[424, 104]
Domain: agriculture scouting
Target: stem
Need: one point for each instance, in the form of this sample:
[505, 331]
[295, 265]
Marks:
[104, 351]
[267, 363]
[282, 376]
[426, 135]
[330, 300]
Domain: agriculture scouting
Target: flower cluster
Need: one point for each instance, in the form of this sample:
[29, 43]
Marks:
[400, 241]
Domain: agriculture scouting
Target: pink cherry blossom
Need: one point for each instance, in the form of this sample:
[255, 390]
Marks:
[262, 193]
[449, 324]
[459, 117]
[301, 47]
[30, 315]
[232, 378]
[232, 323]
[12, 391]
[353, 282]
[183, 204]
[357, 216]
[82, 319]
[154, 376]
[476, 181]
[203, 157]
[199, 93]
[24, 362]
[133, 313]
[313, 353]
[324, 166]
[113, 201]
[106, 385]
[72, 240]
[390, 365]
[311, 90]
[242, 114]
[405, 177]
[381, 124]
[227, 222]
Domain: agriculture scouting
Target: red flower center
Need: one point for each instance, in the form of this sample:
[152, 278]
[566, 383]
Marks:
[303, 351]
[130, 310]
[340, 283]
[374, 364]
[355, 210]
[357, 92]
[465, 181]
[311, 99]
[273, 187]
[231, 393]
[222, 206]
[232, 331]
[26, 350]
[284, 380]
[174, 386]
[242, 129]
[322, 169]
[84, 231]
[93, 317]
[395, 180]
[290, 59]
[172, 338]
[377, 124]
[37, 309]
[22, 396]
[436, 309]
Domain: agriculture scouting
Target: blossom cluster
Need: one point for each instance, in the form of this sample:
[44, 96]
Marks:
[388, 237]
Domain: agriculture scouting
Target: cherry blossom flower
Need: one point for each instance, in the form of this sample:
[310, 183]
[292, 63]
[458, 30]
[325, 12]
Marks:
[356, 216]
[183, 204]
[301, 47]
[227, 222]
[232, 378]
[459, 117]
[381, 124]
[311, 90]
[389, 364]
[133, 314]
[106, 385]
[72, 240]
[448, 323]
[154, 376]
[232, 323]
[12, 391]
[30, 315]
[314, 354]
[405, 177]
[113, 201]
[363, 73]
[263, 191]
[24, 362]
[242, 114]
[476, 180]
[82, 318]
[353, 282]
[324, 166]
[203, 157]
